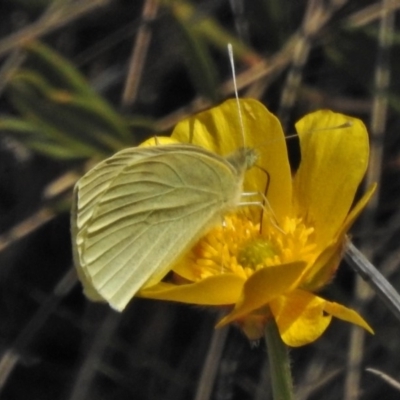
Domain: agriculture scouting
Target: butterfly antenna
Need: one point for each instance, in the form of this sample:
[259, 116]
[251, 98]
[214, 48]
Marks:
[232, 62]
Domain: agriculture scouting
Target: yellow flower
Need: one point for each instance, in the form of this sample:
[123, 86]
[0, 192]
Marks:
[268, 264]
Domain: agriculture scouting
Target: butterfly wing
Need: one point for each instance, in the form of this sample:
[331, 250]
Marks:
[133, 227]
[87, 192]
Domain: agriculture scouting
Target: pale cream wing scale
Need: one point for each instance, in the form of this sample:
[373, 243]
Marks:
[87, 192]
[136, 213]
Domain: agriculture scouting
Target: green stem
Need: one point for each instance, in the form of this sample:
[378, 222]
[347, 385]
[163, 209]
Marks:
[281, 378]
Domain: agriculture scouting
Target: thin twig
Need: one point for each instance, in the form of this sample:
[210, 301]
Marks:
[139, 53]
[315, 18]
[322, 99]
[371, 275]
[33, 222]
[13, 62]
[318, 377]
[93, 356]
[371, 13]
[211, 364]
[50, 22]
[385, 377]
[17, 57]
[59, 188]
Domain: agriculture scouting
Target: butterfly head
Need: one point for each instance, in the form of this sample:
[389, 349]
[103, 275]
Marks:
[243, 159]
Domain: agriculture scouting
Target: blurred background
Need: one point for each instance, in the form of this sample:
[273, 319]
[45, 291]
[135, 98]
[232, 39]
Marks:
[80, 80]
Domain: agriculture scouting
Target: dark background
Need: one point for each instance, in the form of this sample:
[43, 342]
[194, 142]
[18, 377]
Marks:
[54, 344]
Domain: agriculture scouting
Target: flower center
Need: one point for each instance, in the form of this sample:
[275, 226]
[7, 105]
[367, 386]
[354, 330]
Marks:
[255, 252]
[238, 247]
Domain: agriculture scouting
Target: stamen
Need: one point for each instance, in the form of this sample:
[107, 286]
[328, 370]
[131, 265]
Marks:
[238, 247]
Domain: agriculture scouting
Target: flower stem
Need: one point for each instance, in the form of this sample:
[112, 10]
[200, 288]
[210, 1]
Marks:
[281, 378]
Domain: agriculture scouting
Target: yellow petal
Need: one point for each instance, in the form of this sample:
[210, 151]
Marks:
[333, 162]
[346, 314]
[184, 268]
[216, 290]
[355, 212]
[263, 286]
[219, 130]
[327, 262]
[300, 317]
[323, 269]
[158, 140]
